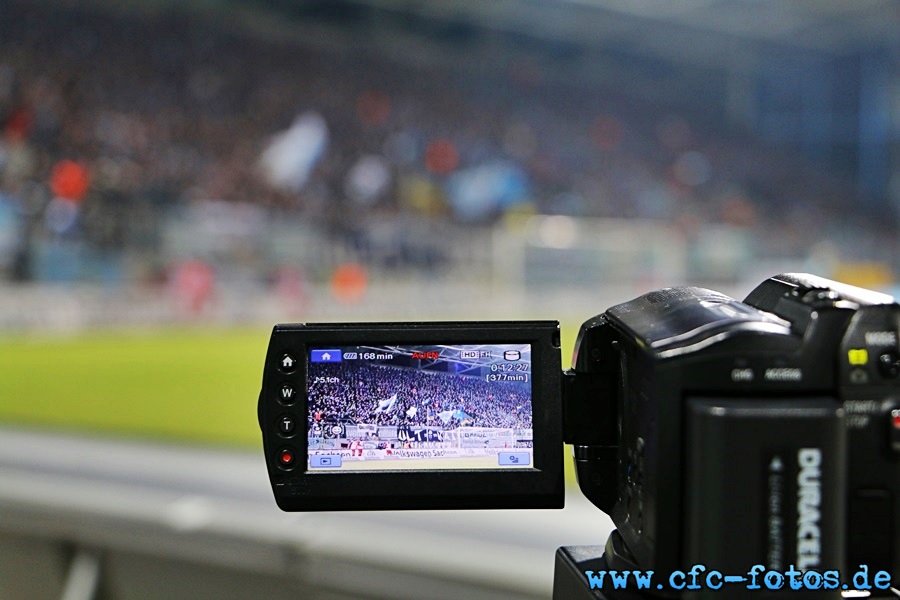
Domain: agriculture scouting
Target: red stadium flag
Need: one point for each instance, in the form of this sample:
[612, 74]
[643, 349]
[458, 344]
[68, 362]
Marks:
[441, 157]
[69, 180]
[349, 283]
[18, 125]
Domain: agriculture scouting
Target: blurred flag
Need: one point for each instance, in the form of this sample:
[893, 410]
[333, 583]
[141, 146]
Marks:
[291, 155]
[413, 410]
[482, 191]
[368, 179]
[446, 416]
[386, 405]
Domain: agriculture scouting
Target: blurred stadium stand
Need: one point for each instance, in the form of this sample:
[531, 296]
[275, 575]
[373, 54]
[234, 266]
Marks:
[255, 161]
[284, 139]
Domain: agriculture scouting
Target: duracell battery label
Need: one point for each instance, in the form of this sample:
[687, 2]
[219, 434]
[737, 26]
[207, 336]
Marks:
[794, 509]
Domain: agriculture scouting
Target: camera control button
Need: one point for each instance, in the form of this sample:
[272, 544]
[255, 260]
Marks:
[286, 395]
[325, 461]
[859, 376]
[286, 425]
[513, 459]
[287, 363]
[285, 458]
[889, 365]
[895, 430]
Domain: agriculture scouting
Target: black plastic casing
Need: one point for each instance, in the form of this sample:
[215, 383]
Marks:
[708, 391]
[298, 489]
[866, 380]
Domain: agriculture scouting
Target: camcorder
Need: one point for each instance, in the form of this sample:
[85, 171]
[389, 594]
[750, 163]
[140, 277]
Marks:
[751, 438]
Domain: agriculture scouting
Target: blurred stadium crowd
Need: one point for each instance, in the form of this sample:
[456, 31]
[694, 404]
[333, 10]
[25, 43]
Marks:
[409, 397]
[116, 128]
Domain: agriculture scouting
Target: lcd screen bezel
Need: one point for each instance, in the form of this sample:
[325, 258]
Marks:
[299, 488]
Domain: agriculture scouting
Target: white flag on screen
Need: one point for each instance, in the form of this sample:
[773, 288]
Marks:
[386, 405]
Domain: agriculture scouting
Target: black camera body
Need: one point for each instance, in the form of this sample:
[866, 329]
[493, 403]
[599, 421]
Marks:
[760, 431]
[864, 379]
[712, 431]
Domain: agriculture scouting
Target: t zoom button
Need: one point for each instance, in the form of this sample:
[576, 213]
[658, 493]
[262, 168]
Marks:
[285, 458]
[286, 424]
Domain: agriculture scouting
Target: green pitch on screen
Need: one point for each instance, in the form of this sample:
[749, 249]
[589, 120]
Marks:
[184, 385]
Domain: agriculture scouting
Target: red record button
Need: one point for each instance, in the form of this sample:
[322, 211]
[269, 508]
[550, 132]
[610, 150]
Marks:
[894, 432]
[286, 457]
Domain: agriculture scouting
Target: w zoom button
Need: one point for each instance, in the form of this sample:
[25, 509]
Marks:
[286, 394]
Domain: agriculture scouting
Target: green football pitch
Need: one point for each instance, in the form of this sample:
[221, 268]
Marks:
[187, 385]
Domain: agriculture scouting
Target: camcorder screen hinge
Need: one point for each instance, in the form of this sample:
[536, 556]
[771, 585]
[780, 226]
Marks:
[590, 425]
[587, 406]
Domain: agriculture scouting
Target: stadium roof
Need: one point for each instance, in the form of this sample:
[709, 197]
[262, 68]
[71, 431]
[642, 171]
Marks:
[670, 29]
[826, 25]
[710, 33]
